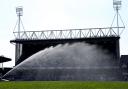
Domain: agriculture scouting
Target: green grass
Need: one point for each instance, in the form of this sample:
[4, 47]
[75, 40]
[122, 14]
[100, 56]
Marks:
[62, 85]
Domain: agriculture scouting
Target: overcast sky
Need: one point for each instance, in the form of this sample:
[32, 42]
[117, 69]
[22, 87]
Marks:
[57, 14]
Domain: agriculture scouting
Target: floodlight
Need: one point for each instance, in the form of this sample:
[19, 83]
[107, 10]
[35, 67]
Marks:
[116, 4]
[19, 11]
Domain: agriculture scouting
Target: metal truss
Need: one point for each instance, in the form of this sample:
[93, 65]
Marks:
[69, 34]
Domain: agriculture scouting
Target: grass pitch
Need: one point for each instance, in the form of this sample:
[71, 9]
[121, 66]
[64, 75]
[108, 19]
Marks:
[62, 85]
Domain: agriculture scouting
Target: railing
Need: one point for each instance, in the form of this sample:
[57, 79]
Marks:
[68, 34]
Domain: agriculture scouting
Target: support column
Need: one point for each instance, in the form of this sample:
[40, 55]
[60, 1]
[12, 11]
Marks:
[18, 52]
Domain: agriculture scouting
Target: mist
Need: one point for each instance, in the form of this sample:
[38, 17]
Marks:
[57, 63]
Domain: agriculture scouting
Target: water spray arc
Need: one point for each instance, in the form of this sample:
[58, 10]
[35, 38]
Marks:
[78, 61]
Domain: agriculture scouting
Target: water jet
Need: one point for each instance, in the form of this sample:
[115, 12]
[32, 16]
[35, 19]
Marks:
[77, 61]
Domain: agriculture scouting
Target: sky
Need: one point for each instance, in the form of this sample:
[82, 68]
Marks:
[57, 15]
